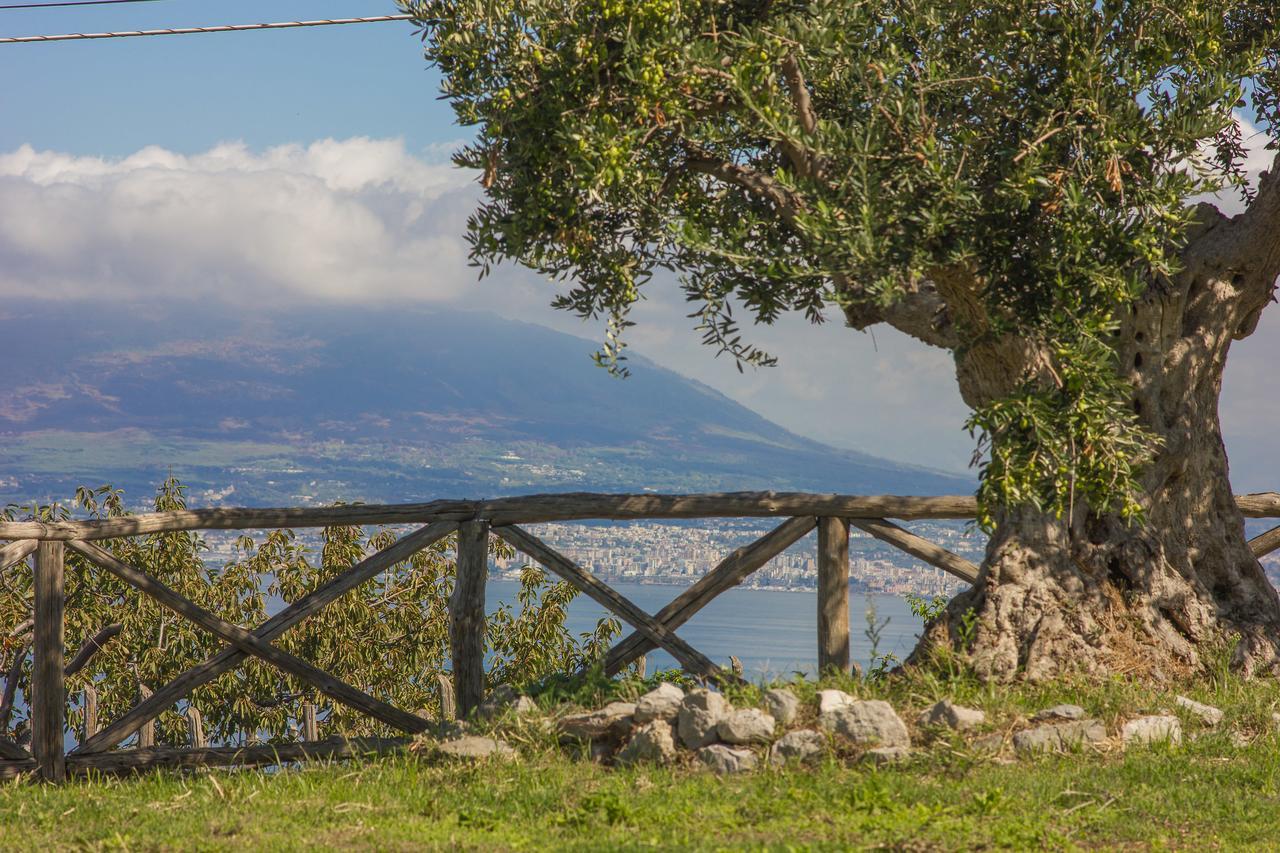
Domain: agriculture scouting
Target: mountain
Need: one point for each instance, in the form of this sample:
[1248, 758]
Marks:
[377, 405]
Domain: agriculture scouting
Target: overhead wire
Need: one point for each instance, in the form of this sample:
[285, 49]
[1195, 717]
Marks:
[185, 31]
[71, 3]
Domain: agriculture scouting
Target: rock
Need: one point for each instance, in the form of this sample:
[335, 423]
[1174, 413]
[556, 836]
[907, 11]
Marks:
[802, 745]
[750, 725]
[651, 743]
[871, 721]
[883, 755]
[952, 716]
[1208, 714]
[830, 700]
[1275, 719]
[660, 703]
[1059, 736]
[725, 759]
[613, 720]
[1153, 729]
[475, 748]
[1059, 712]
[782, 705]
[989, 744]
[700, 713]
[505, 700]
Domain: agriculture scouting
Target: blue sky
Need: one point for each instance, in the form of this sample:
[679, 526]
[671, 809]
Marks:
[262, 167]
[114, 96]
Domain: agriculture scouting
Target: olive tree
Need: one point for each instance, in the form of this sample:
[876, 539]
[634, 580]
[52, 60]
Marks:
[1008, 180]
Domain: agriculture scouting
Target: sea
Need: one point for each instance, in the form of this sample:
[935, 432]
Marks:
[773, 632]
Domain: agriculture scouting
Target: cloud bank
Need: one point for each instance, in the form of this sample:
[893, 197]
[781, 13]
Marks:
[358, 219]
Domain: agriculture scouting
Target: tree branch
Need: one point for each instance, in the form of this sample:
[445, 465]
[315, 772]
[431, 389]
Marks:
[91, 647]
[11, 684]
[788, 202]
[804, 161]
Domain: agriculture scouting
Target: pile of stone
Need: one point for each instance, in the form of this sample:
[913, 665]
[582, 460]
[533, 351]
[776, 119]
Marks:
[668, 725]
[667, 722]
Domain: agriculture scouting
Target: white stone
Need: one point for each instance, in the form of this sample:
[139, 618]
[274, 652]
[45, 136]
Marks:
[802, 745]
[830, 700]
[725, 759]
[1154, 729]
[944, 713]
[882, 755]
[1060, 736]
[660, 703]
[1208, 714]
[750, 725]
[612, 720]
[651, 743]
[1060, 712]
[782, 705]
[700, 713]
[474, 748]
[869, 721]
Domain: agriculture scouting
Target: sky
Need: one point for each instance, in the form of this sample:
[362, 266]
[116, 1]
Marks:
[269, 168]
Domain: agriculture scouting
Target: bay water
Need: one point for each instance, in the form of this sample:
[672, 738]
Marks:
[773, 632]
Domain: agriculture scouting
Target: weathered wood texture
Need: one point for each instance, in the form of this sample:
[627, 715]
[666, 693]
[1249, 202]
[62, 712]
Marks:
[689, 657]
[247, 642]
[527, 509]
[730, 572]
[920, 548]
[48, 688]
[89, 708]
[466, 616]
[147, 731]
[15, 551]
[229, 658]
[195, 727]
[833, 595]
[310, 729]
[134, 760]
[10, 751]
[1265, 543]
[448, 706]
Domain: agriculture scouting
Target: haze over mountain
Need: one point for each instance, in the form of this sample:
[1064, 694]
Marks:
[343, 403]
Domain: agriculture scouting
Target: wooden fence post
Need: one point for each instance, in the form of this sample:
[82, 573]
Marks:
[48, 685]
[195, 727]
[90, 712]
[448, 708]
[833, 595]
[146, 734]
[310, 731]
[466, 615]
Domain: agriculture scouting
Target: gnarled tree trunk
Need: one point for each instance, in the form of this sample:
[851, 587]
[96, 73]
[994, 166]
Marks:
[1094, 593]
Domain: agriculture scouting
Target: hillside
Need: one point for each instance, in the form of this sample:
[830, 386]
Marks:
[378, 405]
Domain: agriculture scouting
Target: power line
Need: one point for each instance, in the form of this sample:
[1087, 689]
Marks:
[186, 31]
[71, 3]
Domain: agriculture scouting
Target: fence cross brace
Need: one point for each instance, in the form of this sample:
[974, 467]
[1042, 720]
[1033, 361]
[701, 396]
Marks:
[689, 657]
[231, 656]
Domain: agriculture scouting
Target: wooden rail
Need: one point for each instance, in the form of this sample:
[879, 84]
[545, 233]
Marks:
[474, 522]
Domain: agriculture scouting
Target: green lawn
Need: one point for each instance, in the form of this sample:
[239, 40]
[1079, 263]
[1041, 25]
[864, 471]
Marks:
[1219, 789]
[1204, 794]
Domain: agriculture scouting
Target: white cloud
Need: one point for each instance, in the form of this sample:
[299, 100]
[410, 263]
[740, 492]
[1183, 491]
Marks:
[357, 219]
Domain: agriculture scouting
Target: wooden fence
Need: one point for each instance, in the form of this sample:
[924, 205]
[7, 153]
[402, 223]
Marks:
[474, 522]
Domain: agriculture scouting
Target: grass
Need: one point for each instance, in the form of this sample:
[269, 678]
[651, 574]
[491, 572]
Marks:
[1213, 791]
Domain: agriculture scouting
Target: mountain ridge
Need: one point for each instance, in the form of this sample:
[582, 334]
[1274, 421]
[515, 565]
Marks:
[340, 403]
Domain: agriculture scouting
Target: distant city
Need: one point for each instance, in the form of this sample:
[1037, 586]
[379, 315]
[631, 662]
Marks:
[679, 554]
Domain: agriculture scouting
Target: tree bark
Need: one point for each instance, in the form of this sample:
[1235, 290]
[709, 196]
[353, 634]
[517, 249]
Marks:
[1093, 593]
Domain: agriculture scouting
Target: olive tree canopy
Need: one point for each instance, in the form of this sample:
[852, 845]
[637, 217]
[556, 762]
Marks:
[1006, 179]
